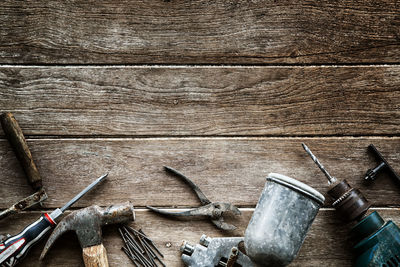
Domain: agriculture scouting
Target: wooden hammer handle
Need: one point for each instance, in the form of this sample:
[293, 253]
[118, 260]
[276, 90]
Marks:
[95, 256]
[17, 140]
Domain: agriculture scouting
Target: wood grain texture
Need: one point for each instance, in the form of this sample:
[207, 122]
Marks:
[226, 127]
[201, 101]
[95, 256]
[203, 31]
[226, 169]
[18, 143]
[327, 243]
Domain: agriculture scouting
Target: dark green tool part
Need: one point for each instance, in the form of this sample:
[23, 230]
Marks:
[378, 243]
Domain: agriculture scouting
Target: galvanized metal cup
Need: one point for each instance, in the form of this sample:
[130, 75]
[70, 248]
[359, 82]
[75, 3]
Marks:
[280, 222]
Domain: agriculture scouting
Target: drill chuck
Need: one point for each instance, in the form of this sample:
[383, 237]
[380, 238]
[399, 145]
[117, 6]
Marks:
[378, 243]
[348, 202]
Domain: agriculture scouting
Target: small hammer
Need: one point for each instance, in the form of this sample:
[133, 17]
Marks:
[87, 224]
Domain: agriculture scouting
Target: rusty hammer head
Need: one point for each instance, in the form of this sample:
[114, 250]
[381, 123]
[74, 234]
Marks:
[87, 223]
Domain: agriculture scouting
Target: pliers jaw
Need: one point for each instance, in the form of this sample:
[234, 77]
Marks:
[214, 210]
[221, 208]
[221, 224]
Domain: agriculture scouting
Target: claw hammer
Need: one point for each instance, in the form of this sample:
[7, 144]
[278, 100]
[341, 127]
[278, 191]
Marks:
[16, 247]
[87, 223]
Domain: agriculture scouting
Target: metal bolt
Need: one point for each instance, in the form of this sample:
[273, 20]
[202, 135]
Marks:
[186, 248]
[205, 240]
[233, 256]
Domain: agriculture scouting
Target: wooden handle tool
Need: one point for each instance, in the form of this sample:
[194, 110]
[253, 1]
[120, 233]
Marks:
[87, 224]
[15, 248]
[95, 256]
[17, 140]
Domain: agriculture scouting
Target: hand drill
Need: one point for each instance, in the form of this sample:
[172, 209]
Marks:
[377, 242]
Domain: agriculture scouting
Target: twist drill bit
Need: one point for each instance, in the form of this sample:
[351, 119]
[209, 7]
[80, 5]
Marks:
[349, 202]
[331, 179]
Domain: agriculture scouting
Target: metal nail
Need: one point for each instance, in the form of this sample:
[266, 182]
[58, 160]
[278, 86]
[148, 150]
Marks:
[139, 233]
[127, 249]
[139, 256]
[151, 243]
[148, 247]
[130, 256]
[140, 252]
[129, 236]
[122, 235]
[135, 244]
[147, 251]
[145, 260]
[132, 249]
[155, 256]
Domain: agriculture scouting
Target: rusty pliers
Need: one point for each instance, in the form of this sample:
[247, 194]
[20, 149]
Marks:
[214, 210]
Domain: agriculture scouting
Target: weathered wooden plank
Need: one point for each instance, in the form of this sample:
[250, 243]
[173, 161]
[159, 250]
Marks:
[202, 101]
[199, 32]
[227, 169]
[326, 244]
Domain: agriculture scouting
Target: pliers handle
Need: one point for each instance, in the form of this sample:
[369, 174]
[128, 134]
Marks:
[214, 210]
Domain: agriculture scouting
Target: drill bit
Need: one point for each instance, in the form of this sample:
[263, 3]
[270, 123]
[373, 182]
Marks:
[331, 179]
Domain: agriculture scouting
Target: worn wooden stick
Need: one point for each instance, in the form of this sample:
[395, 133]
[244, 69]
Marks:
[95, 256]
[17, 140]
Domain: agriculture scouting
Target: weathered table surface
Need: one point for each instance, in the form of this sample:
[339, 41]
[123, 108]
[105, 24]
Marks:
[224, 91]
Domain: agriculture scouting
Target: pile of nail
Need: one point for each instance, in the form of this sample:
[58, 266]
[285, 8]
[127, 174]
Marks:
[140, 249]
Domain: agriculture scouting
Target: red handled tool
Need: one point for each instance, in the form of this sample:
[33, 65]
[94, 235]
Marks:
[15, 248]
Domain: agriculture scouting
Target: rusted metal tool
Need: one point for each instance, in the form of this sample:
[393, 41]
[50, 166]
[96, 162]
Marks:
[216, 252]
[87, 224]
[214, 210]
[16, 247]
[18, 143]
[139, 248]
[274, 235]
[376, 242]
[348, 201]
